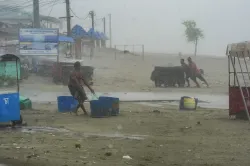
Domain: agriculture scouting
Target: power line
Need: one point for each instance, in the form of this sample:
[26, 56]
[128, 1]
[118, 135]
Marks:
[18, 8]
[79, 17]
[54, 3]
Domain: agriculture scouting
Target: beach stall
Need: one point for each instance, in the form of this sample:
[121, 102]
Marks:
[9, 99]
[239, 79]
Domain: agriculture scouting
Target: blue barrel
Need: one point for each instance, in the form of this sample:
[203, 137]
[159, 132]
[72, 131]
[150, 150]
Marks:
[9, 107]
[111, 102]
[188, 103]
[99, 109]
[66, 103]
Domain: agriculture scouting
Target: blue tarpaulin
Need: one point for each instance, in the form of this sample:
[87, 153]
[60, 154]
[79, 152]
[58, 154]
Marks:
[66, 39]
[98, 34]
[78, 32]
[93, 34]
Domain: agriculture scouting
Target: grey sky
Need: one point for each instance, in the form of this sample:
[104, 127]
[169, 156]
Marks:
[157, 23]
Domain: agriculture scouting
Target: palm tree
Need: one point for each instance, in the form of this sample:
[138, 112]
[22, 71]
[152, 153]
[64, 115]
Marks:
[193, 34]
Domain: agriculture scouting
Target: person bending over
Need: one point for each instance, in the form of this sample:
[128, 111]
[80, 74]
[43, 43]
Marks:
[195, 72]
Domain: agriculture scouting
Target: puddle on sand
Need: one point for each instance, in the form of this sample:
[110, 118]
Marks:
[115, 135]
[213, 101]
[33, 129]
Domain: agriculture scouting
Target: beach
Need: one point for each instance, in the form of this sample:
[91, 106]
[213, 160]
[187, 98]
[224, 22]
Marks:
[142, 135]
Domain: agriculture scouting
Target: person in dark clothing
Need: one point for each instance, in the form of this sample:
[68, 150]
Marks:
[76, 87]
[186, 70]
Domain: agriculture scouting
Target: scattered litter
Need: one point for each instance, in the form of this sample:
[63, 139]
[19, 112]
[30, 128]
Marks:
[157, 111]
[31, 156]
[108, 154]
[83, 157]
[198, 123]
[78, 146]
[127, 157]
[185, 128]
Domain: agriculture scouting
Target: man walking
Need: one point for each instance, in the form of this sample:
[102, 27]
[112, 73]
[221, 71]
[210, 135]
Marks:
[76, 88]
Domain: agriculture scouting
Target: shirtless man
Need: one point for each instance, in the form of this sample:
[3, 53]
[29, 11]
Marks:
[76, 87]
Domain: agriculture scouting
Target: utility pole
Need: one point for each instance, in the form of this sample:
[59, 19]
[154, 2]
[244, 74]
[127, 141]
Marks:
[110, 32]
[36, 15]
[68, 17]
[104, 25]
[92, 15]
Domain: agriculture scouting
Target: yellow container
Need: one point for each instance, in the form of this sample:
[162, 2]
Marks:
[188, 103]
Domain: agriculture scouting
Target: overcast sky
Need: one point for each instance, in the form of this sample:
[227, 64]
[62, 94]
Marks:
[157, 23]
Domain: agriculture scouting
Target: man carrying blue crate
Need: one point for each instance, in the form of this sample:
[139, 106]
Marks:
[76, 81]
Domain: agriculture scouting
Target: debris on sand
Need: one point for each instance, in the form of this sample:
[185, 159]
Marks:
[108, 154]
[78, 146]
[156, 111]
[127, 157]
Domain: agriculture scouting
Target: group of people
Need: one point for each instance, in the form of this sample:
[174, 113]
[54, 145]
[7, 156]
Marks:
[76, 81]
[192, 71]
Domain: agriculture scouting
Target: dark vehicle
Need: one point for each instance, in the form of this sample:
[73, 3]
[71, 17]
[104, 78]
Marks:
[168, 76]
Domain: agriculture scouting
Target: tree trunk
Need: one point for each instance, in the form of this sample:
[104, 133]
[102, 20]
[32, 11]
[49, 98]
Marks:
[195, 49]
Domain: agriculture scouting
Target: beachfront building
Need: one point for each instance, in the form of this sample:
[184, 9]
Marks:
[11, 20]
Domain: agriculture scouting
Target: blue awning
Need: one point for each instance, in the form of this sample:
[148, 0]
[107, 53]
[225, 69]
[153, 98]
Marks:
[98, 34]
[78, 32]
[93, 34]
[66, 39]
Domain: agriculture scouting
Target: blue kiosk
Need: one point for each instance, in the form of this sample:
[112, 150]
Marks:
[9, 101]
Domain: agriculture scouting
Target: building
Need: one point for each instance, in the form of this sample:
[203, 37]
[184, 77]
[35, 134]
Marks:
[12, 20]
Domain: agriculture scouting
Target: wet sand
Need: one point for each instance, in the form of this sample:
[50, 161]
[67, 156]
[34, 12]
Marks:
[168, 137]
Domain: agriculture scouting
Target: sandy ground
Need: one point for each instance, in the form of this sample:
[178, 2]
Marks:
[129, 73]
[169, 137]
[199, 138]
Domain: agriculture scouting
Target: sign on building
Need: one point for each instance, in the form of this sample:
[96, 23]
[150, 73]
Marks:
[38, 42]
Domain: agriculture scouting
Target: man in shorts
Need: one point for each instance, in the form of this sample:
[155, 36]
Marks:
[195, 73]
[76, 87]
[186, 71]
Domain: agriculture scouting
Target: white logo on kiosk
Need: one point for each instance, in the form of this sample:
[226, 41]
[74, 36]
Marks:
[6, 100]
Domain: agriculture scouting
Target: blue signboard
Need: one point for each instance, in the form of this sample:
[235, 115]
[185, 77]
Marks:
[9, 107]
[38, 41]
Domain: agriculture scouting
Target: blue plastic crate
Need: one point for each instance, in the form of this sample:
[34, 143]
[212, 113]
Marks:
[111, 102]
[99, 109]
[66, 103]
